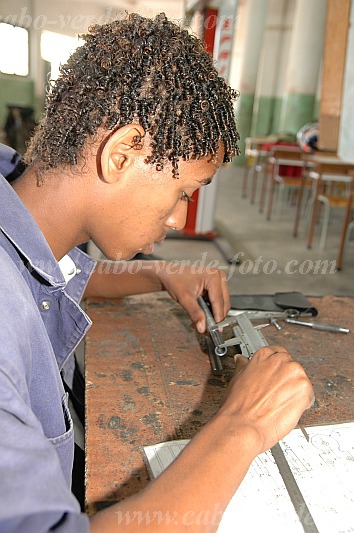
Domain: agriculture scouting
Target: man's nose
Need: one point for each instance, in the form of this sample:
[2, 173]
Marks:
[177, 220]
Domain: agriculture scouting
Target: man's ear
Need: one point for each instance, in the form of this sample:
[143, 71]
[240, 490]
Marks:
[118, 150]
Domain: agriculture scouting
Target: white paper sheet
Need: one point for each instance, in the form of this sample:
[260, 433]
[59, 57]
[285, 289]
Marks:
[324, 471]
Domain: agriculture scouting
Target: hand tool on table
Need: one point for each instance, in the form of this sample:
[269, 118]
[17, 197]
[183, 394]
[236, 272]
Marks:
[317, 325]
[250, 340]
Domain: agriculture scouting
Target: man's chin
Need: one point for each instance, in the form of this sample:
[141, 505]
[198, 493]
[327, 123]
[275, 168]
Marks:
[129, 254]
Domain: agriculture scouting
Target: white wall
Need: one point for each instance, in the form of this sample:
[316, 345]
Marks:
[346, 130]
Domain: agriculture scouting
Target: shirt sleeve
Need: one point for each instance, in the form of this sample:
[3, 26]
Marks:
[35, 496]
[9, 160]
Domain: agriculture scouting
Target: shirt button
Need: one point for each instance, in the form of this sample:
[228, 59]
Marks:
[78, 270]
[45, 305]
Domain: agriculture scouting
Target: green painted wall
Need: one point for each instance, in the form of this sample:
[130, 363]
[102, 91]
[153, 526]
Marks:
[263, 111]
[299, 110]
[272, 115]
[277, 105]
[13, 91]
[316, 110]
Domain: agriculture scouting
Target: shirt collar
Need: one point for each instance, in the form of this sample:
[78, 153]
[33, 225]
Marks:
[21, 229]
[68, 267]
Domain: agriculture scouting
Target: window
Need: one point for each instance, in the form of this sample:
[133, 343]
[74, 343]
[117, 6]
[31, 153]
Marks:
[14, 46]
[56, 49]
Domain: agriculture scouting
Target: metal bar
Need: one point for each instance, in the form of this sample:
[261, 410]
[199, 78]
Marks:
[212, 328]
[294, 492]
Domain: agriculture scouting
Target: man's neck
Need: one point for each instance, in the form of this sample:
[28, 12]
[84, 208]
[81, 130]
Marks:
[57, 205]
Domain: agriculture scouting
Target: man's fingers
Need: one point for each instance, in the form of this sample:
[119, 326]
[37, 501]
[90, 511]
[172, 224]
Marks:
[194, 310]
[218, 295]
[241, 361]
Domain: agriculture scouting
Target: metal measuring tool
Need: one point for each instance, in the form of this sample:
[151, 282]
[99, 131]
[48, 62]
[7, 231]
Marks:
[250, 340]
[317, 325]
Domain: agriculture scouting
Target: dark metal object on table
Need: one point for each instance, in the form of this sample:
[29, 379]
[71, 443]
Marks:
[213, 343]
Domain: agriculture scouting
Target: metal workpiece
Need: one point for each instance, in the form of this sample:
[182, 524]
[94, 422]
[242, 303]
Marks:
[212, 328]
[215, 361]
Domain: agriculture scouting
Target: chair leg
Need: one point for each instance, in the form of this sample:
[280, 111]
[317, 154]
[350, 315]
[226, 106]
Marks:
[346, 231]
[350, 228]
[327, 210]
[309, 203]
[255, 178]
[298, 208]
[252, 176]
[263, 191]
[245, 179]
[280, 198]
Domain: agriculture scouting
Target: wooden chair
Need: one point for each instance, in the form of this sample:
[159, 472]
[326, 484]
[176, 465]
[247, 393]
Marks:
[285, 169]
[348, 225]
[333, 189]
[255, 158]
[343, 252]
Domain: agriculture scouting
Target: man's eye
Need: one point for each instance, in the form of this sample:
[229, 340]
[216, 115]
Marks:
[186, 197]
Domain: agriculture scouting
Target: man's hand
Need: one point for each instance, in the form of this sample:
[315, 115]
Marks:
[185, 286]
[268, 394]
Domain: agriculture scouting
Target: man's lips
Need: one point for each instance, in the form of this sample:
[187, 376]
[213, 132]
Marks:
[150, 248]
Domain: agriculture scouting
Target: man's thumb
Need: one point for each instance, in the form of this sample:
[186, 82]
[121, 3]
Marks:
[241, 361]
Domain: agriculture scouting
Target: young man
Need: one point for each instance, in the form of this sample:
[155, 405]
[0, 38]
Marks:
[137, 121]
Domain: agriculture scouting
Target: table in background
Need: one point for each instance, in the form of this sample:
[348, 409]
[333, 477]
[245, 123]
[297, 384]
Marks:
[322, 164]
[148, 380]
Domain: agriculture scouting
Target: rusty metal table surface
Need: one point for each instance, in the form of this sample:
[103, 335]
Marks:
[148, 380]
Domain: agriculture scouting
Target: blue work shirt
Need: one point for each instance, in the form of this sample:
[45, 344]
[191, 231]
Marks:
[41, 323]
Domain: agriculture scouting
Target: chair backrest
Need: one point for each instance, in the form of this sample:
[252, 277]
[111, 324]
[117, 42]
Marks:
[334, 178]
[286, 152]
[254, 146]
[287, 160]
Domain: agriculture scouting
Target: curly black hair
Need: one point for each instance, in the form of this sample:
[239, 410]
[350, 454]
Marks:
[150, 70]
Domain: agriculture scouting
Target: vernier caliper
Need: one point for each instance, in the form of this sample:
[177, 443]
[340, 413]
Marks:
[244, 336]
[250, 340]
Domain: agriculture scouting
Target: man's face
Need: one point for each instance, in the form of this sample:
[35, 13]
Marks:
[148, 203]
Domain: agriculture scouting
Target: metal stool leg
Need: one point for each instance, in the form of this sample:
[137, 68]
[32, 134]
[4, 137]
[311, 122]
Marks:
[327, 210]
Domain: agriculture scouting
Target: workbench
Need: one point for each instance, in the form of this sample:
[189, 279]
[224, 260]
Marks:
[148, 380]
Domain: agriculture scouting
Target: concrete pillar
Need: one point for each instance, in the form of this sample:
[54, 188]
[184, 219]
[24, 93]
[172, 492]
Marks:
[303, 65]
[271, 66]
[249, 34]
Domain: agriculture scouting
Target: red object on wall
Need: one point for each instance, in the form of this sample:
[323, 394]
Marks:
[209, 25]
[189, 228]
[210, 20]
